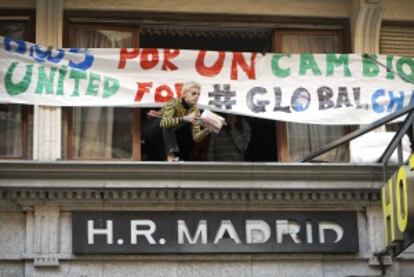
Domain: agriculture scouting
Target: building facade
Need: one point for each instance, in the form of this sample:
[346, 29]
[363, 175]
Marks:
[59, 163]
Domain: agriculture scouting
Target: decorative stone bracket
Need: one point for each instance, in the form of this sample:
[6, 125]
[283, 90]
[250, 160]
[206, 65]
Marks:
[46, 261]
[42, 235]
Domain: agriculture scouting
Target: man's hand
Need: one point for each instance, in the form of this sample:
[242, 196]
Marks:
[154, 114]
[191, 118]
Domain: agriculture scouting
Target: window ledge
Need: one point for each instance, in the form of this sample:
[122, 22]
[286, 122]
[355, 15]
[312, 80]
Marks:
[214, 171]
[278, 184]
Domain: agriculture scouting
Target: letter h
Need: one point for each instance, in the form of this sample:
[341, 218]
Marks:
[108, 231]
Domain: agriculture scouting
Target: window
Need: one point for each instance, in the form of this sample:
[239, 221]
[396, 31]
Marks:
[262, 146]
[397, 38]
[93, 132]
[102, 132]
[302, 139]
[16, 121]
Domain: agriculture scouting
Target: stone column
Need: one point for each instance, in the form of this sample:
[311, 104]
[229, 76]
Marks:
[47, 121]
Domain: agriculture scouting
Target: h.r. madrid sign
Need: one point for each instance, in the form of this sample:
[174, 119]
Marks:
[214, 232]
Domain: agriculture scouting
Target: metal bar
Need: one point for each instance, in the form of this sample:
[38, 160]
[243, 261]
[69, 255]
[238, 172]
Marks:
[396, 139]
[400, 153]
[384, 173]
[357, 133]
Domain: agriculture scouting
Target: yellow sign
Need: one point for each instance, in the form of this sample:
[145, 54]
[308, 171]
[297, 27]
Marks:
[398, 205]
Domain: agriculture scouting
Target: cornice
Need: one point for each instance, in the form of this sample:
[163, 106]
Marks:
[75, 170]
[95, 183]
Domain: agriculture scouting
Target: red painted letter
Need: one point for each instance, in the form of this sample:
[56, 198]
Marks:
[124, 55]
[142, 88]
[179, 89]
[212, 71]
[146, 62]
[238, 59]
[159, 97]
[169, 54]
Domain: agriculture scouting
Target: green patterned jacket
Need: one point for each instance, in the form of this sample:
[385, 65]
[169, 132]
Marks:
[172, 114]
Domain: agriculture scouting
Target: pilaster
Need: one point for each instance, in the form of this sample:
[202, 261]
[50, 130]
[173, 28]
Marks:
[48, 120]
[375, 225]
[366, 26]
[42, 235]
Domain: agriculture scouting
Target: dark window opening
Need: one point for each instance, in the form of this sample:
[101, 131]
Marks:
[262, 146]
[235, 40]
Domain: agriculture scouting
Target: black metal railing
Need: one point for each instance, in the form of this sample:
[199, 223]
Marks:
[394, 143]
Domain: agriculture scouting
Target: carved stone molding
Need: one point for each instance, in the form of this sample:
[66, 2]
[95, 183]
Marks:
[366, 25]
[90, 198]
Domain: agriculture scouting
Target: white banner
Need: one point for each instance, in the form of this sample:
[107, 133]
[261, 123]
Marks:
[306, 88]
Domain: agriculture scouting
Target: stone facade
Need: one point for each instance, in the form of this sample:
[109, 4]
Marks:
[36, 220]
[37, 198]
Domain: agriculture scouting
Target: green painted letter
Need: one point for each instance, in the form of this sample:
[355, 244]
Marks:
[77, 75]
[307, 61]
[332, 60]
[390, 73]
[277, 71]
[369, 67]
[92, 85]
[62, 74]
[409, 63]
[44, 82]
[23, 85]
[111, 87]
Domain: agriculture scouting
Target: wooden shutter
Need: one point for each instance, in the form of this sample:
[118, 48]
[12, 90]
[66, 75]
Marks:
[397, 40]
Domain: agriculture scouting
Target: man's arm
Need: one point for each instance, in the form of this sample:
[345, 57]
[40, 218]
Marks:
[198, 134]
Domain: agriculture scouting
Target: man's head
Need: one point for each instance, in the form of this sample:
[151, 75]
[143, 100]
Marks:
[191, 92]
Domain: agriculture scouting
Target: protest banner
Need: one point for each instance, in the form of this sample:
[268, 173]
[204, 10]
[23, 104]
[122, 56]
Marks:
[307, 88]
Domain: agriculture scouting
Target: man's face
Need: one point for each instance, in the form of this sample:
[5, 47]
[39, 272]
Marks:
[191, 96]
